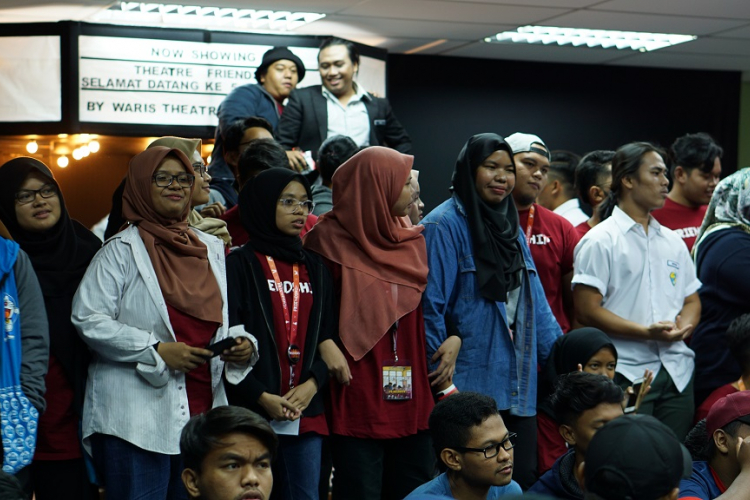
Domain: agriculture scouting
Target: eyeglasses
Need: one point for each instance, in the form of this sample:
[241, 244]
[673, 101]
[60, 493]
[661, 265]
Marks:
[26, 196]
[201, 168]
[166, 180]
[291, 205]
[494, 449]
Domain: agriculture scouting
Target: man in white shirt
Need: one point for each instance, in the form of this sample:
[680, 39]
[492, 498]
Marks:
[635, 280]
[559, 195]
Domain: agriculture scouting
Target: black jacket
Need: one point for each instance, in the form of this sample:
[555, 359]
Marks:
[304, 123]
[250, 305]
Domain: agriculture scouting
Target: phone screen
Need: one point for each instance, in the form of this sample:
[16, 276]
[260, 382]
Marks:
[633, 398]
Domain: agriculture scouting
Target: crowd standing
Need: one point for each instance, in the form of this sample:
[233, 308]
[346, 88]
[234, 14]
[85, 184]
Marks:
[288, 322]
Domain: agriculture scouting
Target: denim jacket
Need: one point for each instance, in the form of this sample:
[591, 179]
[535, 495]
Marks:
[491, 361]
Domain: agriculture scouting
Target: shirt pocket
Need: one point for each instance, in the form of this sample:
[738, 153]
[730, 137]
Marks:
[467, 278]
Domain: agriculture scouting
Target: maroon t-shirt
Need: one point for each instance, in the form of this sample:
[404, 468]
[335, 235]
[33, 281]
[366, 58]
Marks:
[550, 444]
[685, 221]
[582, 229]
[553, 240]
[195, 333]
[238, 233]
[703, 409]
[316, 423]
[57, 435]
[359, 410]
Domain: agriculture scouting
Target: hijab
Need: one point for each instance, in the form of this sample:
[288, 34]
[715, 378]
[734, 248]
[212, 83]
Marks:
[729, 206]
[258, 201]
[209, 225]
[179, 257]
[572, 349]
[383, 258]
[493, 229]
[60, 257]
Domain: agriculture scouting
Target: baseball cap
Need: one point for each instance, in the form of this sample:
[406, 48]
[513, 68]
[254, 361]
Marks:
[635, 457]
[525, 143]
[728, 409]
[277, 54]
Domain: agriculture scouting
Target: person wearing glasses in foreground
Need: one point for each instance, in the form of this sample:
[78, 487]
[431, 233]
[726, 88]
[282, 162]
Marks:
[474, 446]
[152, 300]
[284, 295]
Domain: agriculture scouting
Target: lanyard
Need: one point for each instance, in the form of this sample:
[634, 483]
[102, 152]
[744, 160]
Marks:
[530, 224]
[394, 340]
[293, 351]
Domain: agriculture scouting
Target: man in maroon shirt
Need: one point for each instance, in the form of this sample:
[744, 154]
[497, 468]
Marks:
[696, 170]
[551, 238]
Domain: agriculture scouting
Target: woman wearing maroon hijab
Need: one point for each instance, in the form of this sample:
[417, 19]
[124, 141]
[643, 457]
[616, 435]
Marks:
[379, 442]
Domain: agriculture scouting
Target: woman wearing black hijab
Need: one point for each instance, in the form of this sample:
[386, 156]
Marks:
[487, 321]
[284, 295]
[60, 248]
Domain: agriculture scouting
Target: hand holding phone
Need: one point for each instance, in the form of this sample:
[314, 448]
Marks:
[633, 396]
[221, 346]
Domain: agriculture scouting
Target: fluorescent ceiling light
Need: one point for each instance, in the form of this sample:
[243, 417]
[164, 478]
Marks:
[194, 16]
[606, 39]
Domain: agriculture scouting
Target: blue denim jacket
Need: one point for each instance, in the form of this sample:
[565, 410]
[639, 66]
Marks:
[490, 361]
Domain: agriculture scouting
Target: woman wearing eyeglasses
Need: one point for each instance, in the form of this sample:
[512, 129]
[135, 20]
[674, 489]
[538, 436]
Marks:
[379, 442]
[284, 295]
[60, 249]
[150, 303]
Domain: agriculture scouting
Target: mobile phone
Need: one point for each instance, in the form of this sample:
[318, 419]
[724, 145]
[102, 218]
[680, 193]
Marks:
[633, 398]
[221, 346]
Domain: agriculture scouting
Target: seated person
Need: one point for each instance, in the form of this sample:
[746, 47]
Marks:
[260, 155]
[721, 467]
[738, 340]
[227, 454]
[583, 402]
[334, 151]
[473, 444]
[634, 457]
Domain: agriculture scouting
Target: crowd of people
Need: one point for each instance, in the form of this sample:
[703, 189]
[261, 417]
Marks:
[259, 328]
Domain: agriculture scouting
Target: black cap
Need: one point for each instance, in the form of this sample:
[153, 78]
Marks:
[635, 457]
[277, 54]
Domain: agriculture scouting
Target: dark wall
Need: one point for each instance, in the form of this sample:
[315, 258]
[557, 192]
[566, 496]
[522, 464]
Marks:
[442, 101]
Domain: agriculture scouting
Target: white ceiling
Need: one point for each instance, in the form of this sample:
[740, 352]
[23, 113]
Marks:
[722, 26]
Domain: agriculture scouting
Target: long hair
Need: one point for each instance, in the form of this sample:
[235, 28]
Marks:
[626, 162]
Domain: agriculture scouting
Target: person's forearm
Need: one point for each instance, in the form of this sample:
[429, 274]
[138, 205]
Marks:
[738, 489]
[690, 315]
[611, 323]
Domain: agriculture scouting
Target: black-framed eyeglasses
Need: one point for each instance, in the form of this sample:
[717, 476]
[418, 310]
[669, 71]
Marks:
[494, 449]
[291, 205]
[26, 196]
[165, 180]
[201, 168]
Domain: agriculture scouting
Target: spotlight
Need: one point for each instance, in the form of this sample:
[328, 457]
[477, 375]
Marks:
[77, 154]
[94, 146]
[63, 161]
[32, 147]
[85, 151]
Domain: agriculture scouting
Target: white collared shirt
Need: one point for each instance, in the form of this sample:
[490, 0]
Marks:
[351, 120]
[571, 210]
[120, 313]
[643, 278]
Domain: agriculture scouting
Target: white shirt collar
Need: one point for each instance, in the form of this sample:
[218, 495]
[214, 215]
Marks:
[626, 223]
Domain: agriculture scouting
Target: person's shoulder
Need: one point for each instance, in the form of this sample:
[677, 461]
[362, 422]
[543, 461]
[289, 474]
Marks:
[307, 91]
[512, 488]
[432, 487]
[446, 212]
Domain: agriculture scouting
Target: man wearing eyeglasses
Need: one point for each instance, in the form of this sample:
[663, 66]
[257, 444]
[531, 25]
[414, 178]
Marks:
[475, 447]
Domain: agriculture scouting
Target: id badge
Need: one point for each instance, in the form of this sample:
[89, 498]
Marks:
[397, 380]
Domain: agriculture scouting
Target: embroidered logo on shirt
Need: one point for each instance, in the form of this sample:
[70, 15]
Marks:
[10, 316]
[687, 232]
[539, 239]
[673, 278]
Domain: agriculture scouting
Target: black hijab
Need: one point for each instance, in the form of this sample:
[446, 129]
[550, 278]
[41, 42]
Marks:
[494, 229]
[258, 201]
[572, 349]
[60, 257]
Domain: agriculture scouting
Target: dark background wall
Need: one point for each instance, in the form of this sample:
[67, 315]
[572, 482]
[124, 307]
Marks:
[442, 101]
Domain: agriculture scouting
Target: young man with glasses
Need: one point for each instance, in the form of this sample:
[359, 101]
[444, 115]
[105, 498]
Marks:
[583, 403]
[473, 444]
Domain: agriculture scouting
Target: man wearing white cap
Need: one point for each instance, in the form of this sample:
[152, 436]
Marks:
[551, 237]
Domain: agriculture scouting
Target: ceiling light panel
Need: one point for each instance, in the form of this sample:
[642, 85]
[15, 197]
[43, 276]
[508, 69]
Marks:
[605, 39]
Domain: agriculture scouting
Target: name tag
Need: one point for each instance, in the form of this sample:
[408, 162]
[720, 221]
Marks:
[379, 123]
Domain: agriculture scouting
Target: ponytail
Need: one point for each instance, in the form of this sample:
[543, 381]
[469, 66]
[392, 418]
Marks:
[607, 206]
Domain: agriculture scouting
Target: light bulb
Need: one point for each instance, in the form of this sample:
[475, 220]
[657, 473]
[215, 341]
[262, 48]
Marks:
[32, 147]
[85, 151]
[208, 160]
[63, 161]
[94, 146]
[77, 154]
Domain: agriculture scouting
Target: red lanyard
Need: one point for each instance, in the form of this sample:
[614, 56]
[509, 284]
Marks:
[293, 351]
[529, 224]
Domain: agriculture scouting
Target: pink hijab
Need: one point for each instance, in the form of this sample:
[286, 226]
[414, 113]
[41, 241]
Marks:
[383, 258]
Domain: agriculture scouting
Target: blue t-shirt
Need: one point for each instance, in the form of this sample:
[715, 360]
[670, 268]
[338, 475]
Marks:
[701, 484]
[440, 486]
